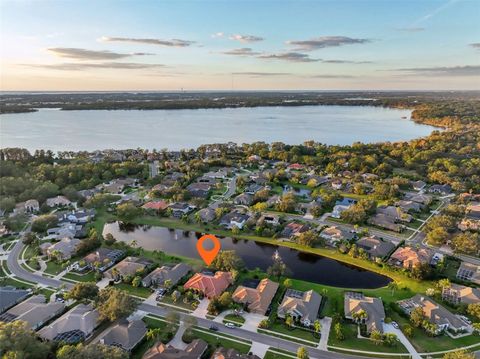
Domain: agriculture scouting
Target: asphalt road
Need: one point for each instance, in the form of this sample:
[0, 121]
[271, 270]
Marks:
[14, 267]
[273, 342]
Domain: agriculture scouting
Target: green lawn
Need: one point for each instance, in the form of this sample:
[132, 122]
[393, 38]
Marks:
[53, 267]
[352, 342]
[221, 340]
[235, 319]
[424, 343]
[300, 333]
[151, 323]
[88, 277]
[271, 355]
[167, 299]
[138, 291]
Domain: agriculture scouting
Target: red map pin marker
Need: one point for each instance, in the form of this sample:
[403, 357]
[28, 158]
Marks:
[208, 255]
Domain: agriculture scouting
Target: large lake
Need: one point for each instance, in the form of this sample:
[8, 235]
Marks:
[304, 266]
[176, 129]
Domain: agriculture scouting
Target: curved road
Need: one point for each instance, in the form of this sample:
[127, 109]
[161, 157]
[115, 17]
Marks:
[13, 265]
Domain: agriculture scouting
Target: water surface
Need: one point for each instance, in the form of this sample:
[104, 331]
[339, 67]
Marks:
[304, 266]
[176, 129]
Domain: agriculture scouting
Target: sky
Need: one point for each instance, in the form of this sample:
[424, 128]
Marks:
[177, 45]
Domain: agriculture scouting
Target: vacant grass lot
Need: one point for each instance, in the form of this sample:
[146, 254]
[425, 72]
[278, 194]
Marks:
[221, 340]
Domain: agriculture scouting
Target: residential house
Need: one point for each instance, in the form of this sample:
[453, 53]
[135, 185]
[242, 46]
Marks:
[224, 353]
[424, 199]
[82, 216]
[74, 326]
[383, 221]
[129, 267]
[179, 209]
[64, 249]
[88, 193]
[418, 185]
[125, 335]
[459, 294]
[244, 199]
[408, 257]
[66, 230]
[157, 206]
[295, 167]
[270, 219]
[337, 184]
[472, 218]
[194, 350]
[434, 313]
[199, 189]
[159, 276]
[442, 189]
[221, 173]
[256, 299]
[369, 177]
[32, 206]
[211, 285]
[103, 258]
[376, 248]
[373, 307]
[9, 296]
[341, 206]
[58, 201]
[234, 219]
[469, 273]
[396, 213]
[35, 311]
[253, 188]
[409, 206]
[334, 234]
[294, 229]
[302, 306]
[207, 215]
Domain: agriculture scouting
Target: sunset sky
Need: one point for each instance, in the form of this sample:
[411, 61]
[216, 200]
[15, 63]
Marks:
[239, 45]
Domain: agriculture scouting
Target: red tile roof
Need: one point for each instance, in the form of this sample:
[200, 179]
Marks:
[157, 205]
[210, 286]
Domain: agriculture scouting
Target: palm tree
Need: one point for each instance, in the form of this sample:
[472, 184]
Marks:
[359, 316]
[393, 286]
[317, 327]
[134, 243]
[154, 334]
[376, 337]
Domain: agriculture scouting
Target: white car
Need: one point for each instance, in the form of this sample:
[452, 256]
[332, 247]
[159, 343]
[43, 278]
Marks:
[395, 325]
[230, 325]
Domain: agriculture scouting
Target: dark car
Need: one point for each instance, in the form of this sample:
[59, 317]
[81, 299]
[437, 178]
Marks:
[213, 328]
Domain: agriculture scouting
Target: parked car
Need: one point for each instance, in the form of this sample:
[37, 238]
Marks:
[213, 328]
[230, 325]
[395, 325]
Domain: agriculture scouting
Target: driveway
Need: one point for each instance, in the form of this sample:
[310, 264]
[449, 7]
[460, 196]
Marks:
[201, 311]
[388, 328]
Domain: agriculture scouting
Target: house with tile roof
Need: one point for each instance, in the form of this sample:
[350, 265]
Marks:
[74, 326]
[9, 296]
[302, 306]
[173, 274]
[194, 350]
[434, 313]
[257, 299]
[126, 335]
[408, 257]
[35, 311]
[211, 285]
[376, 248]
[230, 353]
[469, 272]
[130, 266]
[459, 294]
[373, 307]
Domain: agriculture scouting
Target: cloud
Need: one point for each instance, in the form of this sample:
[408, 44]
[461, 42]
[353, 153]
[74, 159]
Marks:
[244, 51]
[71, 66]
[261, 74]
[218, 34]
[159, 42]
[476, 45]
[325, 41]
[346, 62]
[83, 54]
[246, 38]
[469, 70]
[328, 76]
[411, 29]
[289, 56]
